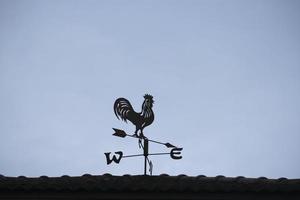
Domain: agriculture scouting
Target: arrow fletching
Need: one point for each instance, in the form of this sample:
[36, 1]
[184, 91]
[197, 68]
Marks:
[119, 133]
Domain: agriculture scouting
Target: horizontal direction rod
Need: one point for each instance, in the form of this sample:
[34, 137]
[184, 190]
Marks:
[150, 154]
[157, 154]
[133, 155]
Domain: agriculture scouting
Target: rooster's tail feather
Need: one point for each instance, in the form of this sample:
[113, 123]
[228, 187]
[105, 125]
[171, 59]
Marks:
[122, 108]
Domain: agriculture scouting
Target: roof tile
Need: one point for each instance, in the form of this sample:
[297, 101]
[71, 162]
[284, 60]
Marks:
[161, 183]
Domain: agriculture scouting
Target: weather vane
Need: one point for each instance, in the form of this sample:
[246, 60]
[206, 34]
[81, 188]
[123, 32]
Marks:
[125, 111]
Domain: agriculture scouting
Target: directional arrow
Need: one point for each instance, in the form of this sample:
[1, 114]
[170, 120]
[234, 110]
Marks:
[121, 133]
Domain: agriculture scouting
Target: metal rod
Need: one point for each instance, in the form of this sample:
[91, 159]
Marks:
[145, 166]
[156, 142]
[150, 154]
[133, 155]
[146, 150]
[147, 139]
[132, 136]
[156, 154]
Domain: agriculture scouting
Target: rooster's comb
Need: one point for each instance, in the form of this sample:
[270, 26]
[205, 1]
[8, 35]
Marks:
[148, 96]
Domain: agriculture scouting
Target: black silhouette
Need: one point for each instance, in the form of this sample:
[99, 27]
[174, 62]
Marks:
[124, 110]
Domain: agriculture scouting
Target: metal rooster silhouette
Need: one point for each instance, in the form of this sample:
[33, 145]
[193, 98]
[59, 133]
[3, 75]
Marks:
[124, 110]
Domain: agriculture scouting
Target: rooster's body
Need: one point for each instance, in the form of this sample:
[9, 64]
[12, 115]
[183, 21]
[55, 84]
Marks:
[124, 110]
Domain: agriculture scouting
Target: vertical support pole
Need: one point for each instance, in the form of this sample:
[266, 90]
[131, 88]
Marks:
[146, 148]
[145, 166]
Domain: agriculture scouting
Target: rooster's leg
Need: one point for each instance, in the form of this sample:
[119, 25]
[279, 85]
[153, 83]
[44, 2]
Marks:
[140, 138]
[135, 132]
[142, 134]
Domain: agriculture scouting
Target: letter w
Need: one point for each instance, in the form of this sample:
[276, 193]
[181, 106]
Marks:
[114, 157]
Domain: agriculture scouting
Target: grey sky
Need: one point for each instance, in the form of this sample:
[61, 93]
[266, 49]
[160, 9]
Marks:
[225, 76]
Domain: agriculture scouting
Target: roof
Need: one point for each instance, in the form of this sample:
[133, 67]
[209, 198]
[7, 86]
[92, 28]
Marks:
[162, 183]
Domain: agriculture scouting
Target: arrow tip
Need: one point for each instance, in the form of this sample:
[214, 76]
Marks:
[169, 145]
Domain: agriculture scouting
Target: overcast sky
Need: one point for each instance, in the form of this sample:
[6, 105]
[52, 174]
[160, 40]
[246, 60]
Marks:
[225, 76]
